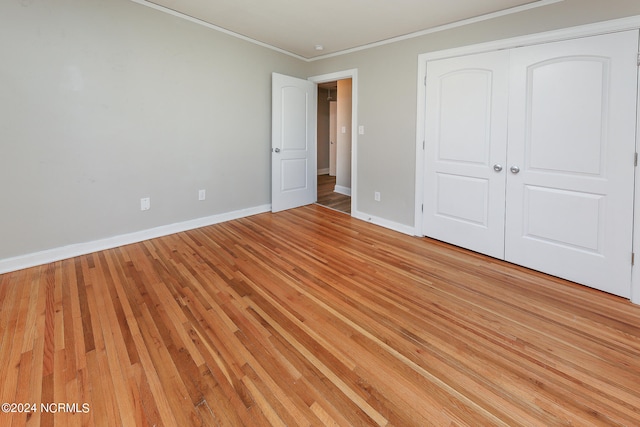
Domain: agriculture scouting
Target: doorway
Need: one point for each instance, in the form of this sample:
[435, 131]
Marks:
[334, 144]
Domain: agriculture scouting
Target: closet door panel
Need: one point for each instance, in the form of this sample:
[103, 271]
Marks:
[569, 205]
[465, 130]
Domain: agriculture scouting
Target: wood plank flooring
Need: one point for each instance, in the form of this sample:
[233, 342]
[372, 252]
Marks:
[329, 198]
[310, 317]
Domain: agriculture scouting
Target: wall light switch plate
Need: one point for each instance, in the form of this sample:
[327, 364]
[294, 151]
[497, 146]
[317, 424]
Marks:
[145, 203]
[202, 194]
[361, 130]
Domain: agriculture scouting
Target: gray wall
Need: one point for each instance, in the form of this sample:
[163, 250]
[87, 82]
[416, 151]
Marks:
[105, 102]
[387, 103]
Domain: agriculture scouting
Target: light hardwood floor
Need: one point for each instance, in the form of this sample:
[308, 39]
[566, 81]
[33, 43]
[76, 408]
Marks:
[329, 198]
[310, 317]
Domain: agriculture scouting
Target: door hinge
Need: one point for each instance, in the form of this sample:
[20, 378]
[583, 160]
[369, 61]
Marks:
[635, 159]
[422, 208]
[425, 76]
[423, 144]
[633, 258]
[638, 59]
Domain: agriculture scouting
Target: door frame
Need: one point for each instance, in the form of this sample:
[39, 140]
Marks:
[342, 75]
[635, 268]
[630, 23]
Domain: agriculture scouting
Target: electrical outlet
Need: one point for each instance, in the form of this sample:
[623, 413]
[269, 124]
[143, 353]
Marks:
[202, 194]
[145, 203]
[376, 196]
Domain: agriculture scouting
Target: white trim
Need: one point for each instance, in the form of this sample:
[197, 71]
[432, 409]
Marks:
[635, 268]
[605, 27]
[30, 260]
[353, 75]
[216, 28]
[517, 9]
[439, 28]
[420, 144]
[324, 171]
[391, 225]
[598, 28]
[342, 190]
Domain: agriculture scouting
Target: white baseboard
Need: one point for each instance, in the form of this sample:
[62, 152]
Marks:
[70, 251]
[342, 190]
[323, 171]
[395, 226]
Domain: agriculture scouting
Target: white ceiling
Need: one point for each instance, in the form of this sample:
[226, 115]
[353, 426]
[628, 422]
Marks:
[297, 26]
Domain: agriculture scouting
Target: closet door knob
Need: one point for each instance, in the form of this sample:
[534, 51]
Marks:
[514, 169]
[497, 167]
[277, 150]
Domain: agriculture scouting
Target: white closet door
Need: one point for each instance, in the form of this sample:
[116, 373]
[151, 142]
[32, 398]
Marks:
[572, 121]
[465, 133]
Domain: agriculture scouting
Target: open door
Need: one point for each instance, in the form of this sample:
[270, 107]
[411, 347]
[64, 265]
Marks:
[293, 142]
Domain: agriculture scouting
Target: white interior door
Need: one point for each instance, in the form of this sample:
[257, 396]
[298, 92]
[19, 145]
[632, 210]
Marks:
[293, 142]
[465, 151]
[572, 126]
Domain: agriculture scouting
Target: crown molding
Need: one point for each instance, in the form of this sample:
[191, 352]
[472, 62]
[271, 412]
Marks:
[216, 28]
[439, 28]
[517, 9]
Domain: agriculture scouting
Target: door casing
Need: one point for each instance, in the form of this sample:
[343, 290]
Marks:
[353, 75]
